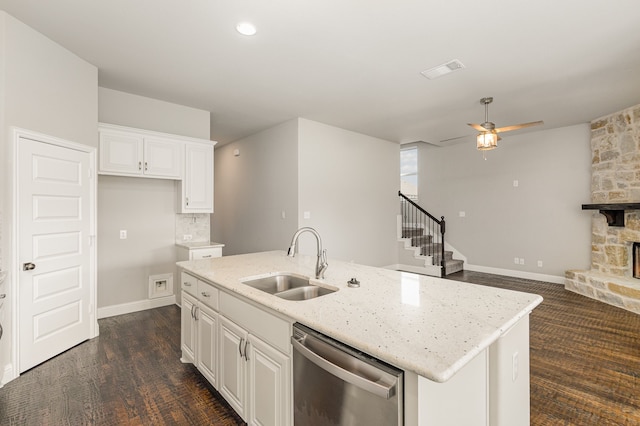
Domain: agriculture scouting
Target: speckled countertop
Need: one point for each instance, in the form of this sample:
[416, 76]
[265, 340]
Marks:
[199, 244]
[427, 325]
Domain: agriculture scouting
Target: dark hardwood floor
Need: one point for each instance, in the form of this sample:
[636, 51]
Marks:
[130, 375]
[585, 356]
[585, 368]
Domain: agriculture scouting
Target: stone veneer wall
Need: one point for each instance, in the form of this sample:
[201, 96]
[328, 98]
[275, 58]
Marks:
[615, 178]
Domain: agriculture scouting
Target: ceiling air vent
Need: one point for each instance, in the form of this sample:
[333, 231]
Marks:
[440, 70]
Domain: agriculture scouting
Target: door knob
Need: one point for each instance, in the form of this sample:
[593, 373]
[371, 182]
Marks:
[28, 266]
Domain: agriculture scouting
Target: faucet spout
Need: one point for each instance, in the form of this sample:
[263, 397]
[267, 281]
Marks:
[321, 262]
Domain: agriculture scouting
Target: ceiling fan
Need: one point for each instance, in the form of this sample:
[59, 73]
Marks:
[488, 137]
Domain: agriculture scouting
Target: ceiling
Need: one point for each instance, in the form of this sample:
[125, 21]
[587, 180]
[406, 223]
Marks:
[356, 64]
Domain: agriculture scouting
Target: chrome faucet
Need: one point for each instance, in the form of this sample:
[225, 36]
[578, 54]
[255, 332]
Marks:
[321, 263]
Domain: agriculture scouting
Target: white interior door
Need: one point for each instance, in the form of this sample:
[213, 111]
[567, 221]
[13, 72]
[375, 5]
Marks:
[54, 227]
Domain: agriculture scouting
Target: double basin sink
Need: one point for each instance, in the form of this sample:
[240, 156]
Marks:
[288, 286]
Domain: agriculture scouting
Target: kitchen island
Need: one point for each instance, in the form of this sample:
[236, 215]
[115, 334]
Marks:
[461, 345]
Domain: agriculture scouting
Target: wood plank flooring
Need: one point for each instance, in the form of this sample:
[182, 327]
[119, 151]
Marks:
[130, 375]
[585, 356]
[585, 368]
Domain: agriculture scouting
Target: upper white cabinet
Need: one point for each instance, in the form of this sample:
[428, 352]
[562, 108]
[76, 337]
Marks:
[196, 194]
[132, 152]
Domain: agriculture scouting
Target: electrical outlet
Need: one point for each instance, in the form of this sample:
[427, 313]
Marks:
[187, 237]
[522, 260]
[306, 215]
[539, 263]
[514, 369]
[516, 260]
[515, 183]
[123, 234]
[462, 214]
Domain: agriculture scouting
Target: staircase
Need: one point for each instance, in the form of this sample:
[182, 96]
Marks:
[421, 242]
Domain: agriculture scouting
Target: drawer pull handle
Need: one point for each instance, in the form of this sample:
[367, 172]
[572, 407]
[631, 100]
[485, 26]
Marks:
[187, 284]
[206, 256]
[205, 294]
[240, 347]
[139, 165]
[146, 167]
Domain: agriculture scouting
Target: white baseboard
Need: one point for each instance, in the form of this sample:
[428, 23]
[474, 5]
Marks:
[141, 305]
[517, 274]
[8, 375]
[433, 271]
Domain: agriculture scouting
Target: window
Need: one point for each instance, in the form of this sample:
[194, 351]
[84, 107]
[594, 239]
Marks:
[409, 172]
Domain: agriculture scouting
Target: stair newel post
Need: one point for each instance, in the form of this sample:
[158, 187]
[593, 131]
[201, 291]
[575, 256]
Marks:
[443, 262]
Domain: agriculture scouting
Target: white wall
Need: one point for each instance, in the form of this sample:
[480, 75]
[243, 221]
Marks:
[348, 182]
[541, 219]
[253, 189]
[47, 89]
[146, 208]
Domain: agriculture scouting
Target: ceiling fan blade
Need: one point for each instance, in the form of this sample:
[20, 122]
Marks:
[518, 126]
[477, 127]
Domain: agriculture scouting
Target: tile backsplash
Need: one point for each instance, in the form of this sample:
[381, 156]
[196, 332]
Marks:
[195, 224]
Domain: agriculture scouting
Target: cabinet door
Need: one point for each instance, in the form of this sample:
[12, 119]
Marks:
[120, 153]
[207, 347]
[188, 328]
[197, 185]
[233, 367]
[162, 158]
[269, 385]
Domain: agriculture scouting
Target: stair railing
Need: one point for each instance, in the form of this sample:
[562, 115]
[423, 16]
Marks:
[414, 216]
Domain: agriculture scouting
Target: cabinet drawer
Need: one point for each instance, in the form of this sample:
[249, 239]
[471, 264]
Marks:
[265, 325]
[189, 284]
[207, 253]
[208, 294]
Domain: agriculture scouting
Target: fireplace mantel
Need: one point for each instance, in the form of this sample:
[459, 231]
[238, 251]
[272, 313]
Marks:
[614, 212]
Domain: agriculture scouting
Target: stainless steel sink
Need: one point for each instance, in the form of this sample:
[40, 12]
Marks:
[288, 286]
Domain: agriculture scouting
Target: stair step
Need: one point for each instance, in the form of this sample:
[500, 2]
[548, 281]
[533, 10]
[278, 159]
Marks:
[420, 240]
[448, 255]
[430, 249]
[454, 266]
[414, 231]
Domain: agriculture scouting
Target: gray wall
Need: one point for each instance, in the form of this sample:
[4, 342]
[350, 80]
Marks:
[146, 208]
[541, 219]
[47, 89]
[349, 184]
[347, 181]
[254, 188]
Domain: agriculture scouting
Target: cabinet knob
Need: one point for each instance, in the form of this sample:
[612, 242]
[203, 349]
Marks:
[187, 201]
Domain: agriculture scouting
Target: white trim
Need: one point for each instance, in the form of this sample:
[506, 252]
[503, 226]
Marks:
[8, 372]
[141, 305]
[433, 271]
[517, 274]
[12, 370]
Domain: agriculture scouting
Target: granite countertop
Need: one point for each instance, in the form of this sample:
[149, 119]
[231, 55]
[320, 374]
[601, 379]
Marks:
[199, 244]
[427, 325]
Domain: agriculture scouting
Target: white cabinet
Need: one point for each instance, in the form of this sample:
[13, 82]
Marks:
[194, 251]
[241, 349]
[268, 385]
[199, 326]
[254, 377]
[233, 365]
[196, 192]
[188, 327]
[207, 348]
[131, 152]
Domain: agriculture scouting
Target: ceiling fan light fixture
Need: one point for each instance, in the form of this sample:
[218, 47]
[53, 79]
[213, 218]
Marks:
[486, 141]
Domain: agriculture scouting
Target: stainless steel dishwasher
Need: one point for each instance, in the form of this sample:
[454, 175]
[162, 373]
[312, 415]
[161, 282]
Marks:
[334, 384]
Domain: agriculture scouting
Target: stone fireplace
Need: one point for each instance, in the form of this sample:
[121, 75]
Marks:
[615, 180]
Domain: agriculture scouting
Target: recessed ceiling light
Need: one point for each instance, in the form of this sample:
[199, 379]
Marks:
[440, 70]
[246, 28]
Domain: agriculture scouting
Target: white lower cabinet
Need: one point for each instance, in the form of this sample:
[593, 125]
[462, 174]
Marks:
[254, 377]
[252, 373]
[207, 348]
[188, 327]
[268, 385]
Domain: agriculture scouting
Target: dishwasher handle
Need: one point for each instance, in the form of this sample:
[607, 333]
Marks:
[375, 388]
